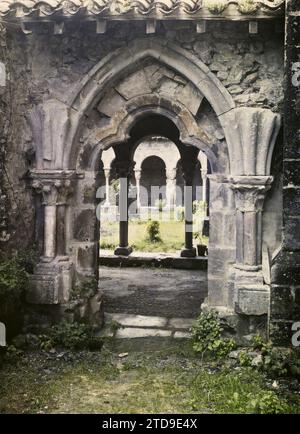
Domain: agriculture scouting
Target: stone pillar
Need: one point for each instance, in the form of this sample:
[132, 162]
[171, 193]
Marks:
[204, 185]
[107, 177]
[124, 170]
[250, 192]
[137, 173]
[251, 295]
[52, 279]
[188, 174]
[171, 188]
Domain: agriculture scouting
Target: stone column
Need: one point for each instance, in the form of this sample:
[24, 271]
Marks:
[49, 193]
[204, 184]
[188, 174]
[137, 173]
[251, 294]
[171, 188]
[107, 176]
[51, 282]
[124, 170]
[250, 192]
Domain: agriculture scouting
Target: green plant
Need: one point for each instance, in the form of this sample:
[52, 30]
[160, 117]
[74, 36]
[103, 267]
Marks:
[74, 336]
[12, 354]
[86, 288]
[114, 326]
[244, 359]
[13, 280]
[258, 342]
[275, 361]
[206, 336]
[153, 231]
[266, 403]
[46, 342]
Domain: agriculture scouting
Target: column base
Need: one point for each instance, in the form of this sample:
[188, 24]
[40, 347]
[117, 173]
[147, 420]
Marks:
[251, 294]
[123, 251]
[51, 282]
[188, 253]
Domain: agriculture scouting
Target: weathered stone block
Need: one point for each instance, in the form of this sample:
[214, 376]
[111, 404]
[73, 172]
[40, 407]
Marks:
[253, 300]
[85, 225]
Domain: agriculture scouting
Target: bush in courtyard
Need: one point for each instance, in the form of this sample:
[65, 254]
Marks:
[153, 231]
[74, 336]
[206, 336]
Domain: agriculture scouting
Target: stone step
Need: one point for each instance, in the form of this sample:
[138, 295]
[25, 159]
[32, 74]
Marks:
[142, 326]
[141, 259]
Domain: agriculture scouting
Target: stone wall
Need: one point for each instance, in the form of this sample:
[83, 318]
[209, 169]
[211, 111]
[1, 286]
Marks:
[42, 66]
[285, 290]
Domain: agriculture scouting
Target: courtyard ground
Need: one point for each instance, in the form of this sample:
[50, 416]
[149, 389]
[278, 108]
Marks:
[165, 381]
[172, 235]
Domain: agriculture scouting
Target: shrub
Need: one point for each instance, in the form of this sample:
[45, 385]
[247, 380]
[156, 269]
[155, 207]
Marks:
[86, 288]
[206, 336]
[153, 232]
[13, 280]
[266, 403]
[74, 336]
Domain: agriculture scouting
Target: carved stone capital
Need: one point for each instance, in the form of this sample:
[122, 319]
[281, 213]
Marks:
[54, 186]
[171, 174]
[250, 192]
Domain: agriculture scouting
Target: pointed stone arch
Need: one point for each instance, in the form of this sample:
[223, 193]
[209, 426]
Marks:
[116, 64]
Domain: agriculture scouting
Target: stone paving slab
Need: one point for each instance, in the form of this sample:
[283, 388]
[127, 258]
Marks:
[182, 335]
[143, 321]
[181, 323]
[139, 259]
[132, 332]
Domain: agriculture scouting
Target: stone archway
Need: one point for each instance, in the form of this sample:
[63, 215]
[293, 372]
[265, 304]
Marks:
[65, 173]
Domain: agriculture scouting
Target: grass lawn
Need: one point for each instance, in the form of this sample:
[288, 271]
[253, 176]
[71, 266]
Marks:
[169, 381]
[171, 232]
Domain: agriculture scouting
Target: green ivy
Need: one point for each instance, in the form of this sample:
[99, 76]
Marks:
[207, 339]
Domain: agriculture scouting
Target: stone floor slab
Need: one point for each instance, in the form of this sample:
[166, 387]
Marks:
[131, 320]
[181, 323]
[132, 332]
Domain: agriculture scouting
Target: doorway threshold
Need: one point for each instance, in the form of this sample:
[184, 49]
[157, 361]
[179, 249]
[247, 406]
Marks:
[152, 259]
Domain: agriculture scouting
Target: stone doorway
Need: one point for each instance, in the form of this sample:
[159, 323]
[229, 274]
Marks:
[150, 79]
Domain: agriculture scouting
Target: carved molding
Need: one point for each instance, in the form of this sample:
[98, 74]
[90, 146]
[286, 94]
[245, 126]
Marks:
[250, 192]
[22, 9]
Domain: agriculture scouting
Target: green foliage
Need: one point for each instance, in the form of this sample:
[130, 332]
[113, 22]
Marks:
[85, 289]
[257, 342]
[13, 280]
[74, 336]
[46, 342]
[244, 359]
[266, 403]
[12, 354]
[206, 336]
[179, 213]
[114, 326]
[153, 231]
